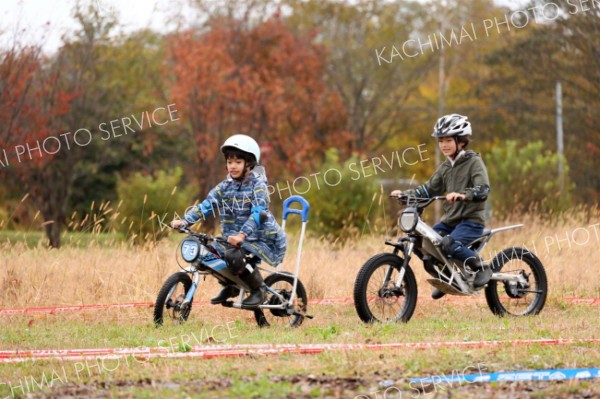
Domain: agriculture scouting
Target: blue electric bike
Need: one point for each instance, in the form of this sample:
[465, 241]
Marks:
[286, 300]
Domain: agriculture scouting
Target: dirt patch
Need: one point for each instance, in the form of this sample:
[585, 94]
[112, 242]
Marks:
[323, 386]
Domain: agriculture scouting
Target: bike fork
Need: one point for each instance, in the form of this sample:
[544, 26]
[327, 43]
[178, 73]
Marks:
[407, 253]
[190, 294]
[408, 248]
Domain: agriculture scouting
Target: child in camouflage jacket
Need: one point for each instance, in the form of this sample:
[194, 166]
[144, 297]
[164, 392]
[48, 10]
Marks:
[240, 200]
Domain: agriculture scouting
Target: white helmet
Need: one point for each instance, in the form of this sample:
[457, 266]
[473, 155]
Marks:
[243, 143]
[452, 125]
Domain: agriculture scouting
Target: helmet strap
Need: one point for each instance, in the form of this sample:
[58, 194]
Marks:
[246, 171]
[458, 149]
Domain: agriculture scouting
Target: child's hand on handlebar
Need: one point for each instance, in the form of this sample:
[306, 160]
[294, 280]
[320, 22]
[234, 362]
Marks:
[178, 223]
[453, 197]
[396, 193]
[236, 240]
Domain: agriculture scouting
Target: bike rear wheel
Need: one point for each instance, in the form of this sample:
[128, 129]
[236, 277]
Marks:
[515, 298]
[283, 284]
[376, 296]
[170, 298]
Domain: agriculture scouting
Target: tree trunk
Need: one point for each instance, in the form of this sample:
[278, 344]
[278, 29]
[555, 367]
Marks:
[50, 190]
[53, 234]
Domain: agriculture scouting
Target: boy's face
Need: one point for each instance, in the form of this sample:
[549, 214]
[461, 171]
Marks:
[235, 167]
[447, 146]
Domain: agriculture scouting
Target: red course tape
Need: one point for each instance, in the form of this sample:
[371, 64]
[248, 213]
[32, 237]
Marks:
[220, 351]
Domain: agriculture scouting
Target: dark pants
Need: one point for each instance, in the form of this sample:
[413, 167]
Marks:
[463, 233]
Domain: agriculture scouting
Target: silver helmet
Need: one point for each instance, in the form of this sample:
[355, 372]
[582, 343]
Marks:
[452, 125]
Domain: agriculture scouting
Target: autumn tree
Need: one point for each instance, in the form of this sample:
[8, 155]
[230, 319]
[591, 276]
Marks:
[33, 103]
[92, 79]
[377, 81]
[48, 173]
[259, 79]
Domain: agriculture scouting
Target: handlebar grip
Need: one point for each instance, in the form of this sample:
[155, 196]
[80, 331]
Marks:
[287, 209]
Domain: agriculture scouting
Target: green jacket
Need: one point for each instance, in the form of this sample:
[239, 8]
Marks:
[467, 176]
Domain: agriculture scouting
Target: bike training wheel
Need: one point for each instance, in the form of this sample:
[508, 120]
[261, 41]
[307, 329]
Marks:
[514, 298]
[282, 284]
[170, 297]
[378, 301]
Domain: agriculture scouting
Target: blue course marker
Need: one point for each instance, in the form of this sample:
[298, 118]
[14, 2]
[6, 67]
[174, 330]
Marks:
[533, 375]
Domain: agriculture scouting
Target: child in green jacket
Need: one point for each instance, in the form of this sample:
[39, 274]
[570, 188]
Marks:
[464, 179]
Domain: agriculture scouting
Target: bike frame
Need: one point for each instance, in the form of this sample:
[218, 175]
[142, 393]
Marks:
[431, 245]
[218, 269]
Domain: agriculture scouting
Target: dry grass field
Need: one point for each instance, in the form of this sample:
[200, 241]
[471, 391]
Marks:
[120, 273]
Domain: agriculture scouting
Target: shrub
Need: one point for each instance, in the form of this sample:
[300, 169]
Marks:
[341, 210]
[148, 201]
[524, 178]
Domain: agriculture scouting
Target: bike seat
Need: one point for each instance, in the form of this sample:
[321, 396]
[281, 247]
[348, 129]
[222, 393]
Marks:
[486, 232]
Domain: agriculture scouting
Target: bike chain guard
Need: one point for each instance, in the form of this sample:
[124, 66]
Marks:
[445, 287]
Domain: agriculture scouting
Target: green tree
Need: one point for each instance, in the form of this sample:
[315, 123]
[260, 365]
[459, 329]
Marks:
[343, 209]
[522, 88]
[126, 79]
[519, 177]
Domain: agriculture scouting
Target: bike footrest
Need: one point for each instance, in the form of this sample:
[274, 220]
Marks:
[246, 307]
[445, 287]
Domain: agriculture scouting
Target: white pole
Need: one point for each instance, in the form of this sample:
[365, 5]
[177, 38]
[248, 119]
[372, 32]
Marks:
[298, 260]
[441, 77]
[559, 133]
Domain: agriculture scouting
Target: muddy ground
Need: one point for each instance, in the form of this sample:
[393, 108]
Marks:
[326, 387]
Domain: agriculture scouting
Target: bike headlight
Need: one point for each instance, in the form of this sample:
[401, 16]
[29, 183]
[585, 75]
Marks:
[190, 249]
[408, 220]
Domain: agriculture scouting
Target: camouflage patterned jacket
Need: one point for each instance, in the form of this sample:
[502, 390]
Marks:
[239, 204]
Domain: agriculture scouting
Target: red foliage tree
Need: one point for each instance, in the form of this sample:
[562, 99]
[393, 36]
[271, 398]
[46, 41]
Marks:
[32, 104]
[261, 80]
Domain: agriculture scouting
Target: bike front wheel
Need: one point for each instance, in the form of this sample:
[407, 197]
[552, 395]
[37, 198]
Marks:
[169, 302]
[377, 295]
[514, 298]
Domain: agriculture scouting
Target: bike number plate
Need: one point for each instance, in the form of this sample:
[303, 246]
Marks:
[190, 250]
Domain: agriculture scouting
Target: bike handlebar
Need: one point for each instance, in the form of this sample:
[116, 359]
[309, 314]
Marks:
[186, 230]
[420, 202]
[206, 237]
